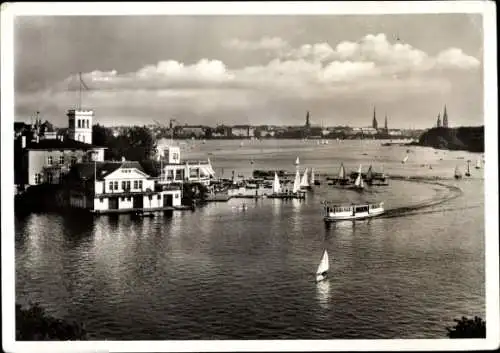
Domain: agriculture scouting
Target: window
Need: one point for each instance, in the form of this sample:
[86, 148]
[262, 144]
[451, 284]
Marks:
[88, 123]
[49, 178]
[140, 184]
[176, 195]
[116, 185]
[150, 197]
[159, 197]
[179, 174]
[49, 160]
[83, 138]
[38, 178]
[136, 184]
[73, 160]
[79, 123]
[123, 185]
[127, 185]
[61, 159]
[101, 199]
[111, 185]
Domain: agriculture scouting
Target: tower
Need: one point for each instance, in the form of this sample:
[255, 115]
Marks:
[445, 117]
[374, 122]
[80, 125]
[438, 124]
[308, 123]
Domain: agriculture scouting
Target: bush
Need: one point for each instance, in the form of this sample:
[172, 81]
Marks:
[468, 328]
[34, 324]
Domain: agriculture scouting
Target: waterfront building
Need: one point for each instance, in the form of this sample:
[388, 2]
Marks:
[189, 131]
[106, 187]
[170, 169]
[46, 161]
[242, 131]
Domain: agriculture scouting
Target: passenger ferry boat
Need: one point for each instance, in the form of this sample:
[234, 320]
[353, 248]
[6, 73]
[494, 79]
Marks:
[335, 213]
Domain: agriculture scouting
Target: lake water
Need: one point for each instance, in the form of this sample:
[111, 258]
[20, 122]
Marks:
[222, 272]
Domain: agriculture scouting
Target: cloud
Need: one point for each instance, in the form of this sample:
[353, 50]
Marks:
[372, 67]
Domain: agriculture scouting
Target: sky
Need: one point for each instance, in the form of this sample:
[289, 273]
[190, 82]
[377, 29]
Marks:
[252, 69]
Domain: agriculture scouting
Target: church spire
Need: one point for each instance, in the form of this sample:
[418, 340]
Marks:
[445, 117]
[374, 121]
[385, 123]
[439, 120]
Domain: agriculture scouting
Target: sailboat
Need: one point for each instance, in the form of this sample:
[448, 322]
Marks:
[296, 183]
[458, 174]
[304, 182]
[478, 164]
[358, 184]
[405, 159]
[276, 184]
[297, 162]
[323, 267]
[467, 173]
[369, 175]
[342, 178]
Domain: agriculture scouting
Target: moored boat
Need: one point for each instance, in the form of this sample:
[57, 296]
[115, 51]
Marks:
[334, 212]
[458, 173]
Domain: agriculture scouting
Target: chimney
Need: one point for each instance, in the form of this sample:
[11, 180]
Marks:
[23, 141]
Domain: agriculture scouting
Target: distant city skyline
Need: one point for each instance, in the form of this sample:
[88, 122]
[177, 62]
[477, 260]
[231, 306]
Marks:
[242, 70]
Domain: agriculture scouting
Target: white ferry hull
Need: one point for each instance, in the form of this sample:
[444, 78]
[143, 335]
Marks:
[343, 213]
[362, 215]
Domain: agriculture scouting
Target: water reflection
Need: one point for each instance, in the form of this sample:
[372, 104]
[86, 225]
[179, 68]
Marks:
[323, 293]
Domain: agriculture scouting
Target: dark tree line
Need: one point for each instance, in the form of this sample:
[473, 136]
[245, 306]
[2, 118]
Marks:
[135, 143]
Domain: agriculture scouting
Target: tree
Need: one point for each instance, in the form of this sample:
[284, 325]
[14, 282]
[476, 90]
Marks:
[134, 143]
[33, 324]
[468, 328]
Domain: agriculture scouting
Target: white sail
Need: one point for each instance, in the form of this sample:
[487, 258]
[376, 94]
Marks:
[276, 184]
[478, 164]
[342, 171]
[296, 182]
[297, 162]
[457, 172]
[359, 179]
[324, 264]
[304, 182]
[312, 176]
[405, 159]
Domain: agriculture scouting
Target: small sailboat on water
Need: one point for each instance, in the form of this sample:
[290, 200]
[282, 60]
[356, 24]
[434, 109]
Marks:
[296, 183]
[342, 179]
[478, 164]
[405, 159]
[458, 173]
[323, 267]
[358, 184]
[304, 182]
[297, 162]
[369, 175]
[467, 173]
[276, 184]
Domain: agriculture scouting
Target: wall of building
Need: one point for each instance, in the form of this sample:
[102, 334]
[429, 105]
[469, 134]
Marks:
[39, 159]
[80, 125]
[101, 203]
[127, 175]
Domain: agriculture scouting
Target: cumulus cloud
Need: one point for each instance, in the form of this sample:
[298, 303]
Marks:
[307, 72]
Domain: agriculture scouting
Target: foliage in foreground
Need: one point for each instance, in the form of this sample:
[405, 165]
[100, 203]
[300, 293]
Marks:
[34, 324]
[468, 328]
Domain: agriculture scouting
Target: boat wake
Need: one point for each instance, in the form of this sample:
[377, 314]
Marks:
[453, 193]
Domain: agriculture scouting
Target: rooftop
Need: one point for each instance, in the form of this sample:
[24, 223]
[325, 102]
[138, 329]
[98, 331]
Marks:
[86, 170]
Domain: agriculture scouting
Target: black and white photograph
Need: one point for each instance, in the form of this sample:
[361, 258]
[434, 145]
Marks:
[249, 176]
